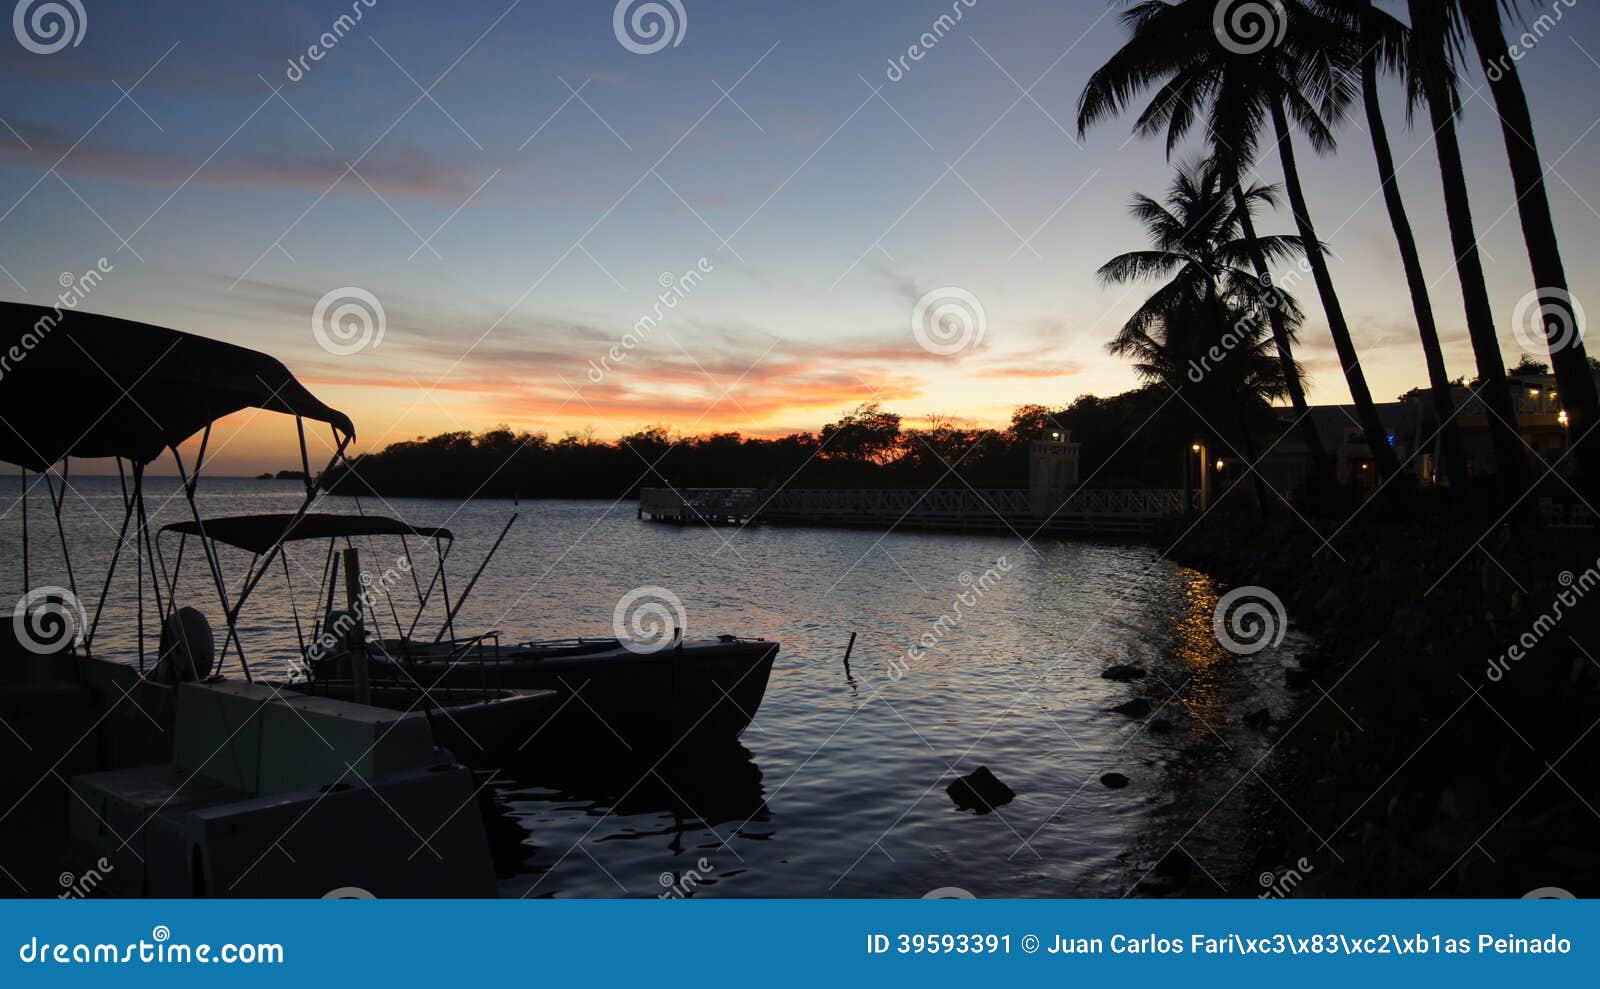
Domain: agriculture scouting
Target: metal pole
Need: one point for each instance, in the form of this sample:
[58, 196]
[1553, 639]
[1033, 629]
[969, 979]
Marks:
[450, 619]
[358, 639]
[27, 579]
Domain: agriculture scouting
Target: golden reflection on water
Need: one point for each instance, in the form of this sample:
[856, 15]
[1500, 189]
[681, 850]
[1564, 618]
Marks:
[1196, 647]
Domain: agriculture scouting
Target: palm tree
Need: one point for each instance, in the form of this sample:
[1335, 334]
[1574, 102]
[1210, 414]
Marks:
[1203, 333]
[1567, 355]
[1434, 49]
[1303, 76]
[1380, 41]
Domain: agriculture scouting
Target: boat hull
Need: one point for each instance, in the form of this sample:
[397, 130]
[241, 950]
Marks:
[478, 726]
[607, 694]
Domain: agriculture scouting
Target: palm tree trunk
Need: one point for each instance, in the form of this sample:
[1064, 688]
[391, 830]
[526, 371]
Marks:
[1377, 436]
[1247, 442]
[1567, 355]
[1444, 405]
[1321, 466]
[1509, 452]
[1239, 406]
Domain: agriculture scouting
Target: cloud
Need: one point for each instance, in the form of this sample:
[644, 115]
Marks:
[535, 368]
[397, 170]
[1030, 369]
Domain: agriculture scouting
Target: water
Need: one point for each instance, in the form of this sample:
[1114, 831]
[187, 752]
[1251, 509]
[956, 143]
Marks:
[838, 788]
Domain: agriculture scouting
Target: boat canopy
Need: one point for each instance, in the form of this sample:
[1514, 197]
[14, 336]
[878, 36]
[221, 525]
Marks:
[78, 384]
[260, 533]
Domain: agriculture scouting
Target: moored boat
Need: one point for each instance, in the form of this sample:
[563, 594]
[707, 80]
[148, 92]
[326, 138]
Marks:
[610, 691]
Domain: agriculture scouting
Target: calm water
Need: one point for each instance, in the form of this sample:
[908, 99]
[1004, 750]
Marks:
[838, 789]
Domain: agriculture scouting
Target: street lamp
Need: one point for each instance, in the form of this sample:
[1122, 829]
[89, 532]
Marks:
[1561, 417]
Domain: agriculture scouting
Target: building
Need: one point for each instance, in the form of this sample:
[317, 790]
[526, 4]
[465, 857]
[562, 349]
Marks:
[1413, 430]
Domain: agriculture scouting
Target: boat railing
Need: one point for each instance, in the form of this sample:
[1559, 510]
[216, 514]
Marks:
[479, 646]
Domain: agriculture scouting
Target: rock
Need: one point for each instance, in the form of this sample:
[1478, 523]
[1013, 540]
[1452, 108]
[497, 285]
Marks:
[1260, 719]
[1160, 726]
[1136, 708]
[980, 790]
[1122, 673]
[1114, 781]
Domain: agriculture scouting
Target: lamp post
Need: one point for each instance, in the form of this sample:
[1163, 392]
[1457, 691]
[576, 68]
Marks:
[1199, 448]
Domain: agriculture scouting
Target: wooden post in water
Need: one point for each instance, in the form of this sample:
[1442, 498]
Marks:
[358, 634]
[847, 650]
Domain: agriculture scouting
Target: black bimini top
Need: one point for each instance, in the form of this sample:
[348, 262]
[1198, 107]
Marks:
[77, 384]
[259, 533]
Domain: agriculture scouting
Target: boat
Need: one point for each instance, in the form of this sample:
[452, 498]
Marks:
[479, 721]
[612, 692]
[207, 768]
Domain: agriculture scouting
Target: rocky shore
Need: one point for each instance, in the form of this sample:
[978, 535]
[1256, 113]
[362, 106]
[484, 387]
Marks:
[1444, 741]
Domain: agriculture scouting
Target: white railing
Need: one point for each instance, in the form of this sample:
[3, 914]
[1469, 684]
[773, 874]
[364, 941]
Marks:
[1085, 508]
[967, 502]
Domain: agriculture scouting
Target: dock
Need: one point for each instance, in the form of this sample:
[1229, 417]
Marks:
[1107, 511]
[1053, 502]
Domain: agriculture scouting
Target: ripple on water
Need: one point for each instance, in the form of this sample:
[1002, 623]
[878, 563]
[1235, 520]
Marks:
[838, 789]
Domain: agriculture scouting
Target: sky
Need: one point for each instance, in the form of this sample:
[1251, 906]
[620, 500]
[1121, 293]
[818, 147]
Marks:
[514, 183]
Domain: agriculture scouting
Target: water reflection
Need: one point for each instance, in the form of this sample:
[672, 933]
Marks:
[685, 810]
[856, 764]
[1204, 661]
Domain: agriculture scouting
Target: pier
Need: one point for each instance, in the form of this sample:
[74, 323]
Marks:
[1054, 501]
[1089, 510]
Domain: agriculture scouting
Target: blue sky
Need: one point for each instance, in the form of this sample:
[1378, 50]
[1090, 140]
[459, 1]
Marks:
[824, 211]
